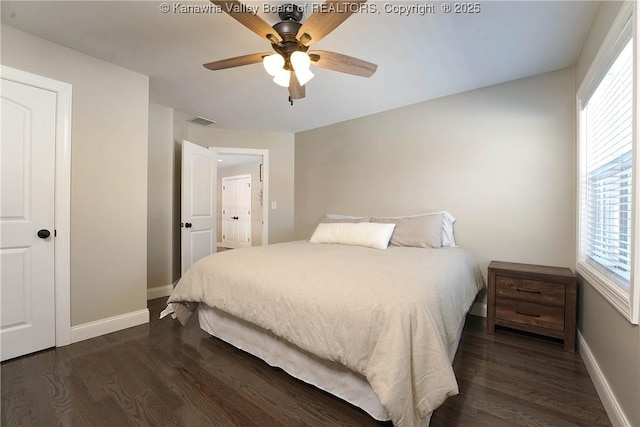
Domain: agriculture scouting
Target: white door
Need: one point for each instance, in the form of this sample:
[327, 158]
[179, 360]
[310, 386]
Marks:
[198, 237]
[27, 161]
[236, 211]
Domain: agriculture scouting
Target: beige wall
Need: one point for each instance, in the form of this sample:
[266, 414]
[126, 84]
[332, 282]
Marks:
[108, 174]
[500, 159]
[160, 197]
[614, 342]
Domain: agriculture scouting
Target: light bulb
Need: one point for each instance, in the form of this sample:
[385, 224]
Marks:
[282, 77]
[300, 61]
[273, 63]
[304, 76]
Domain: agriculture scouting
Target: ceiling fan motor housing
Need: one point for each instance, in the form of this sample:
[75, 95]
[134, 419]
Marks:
[287, 28]
[290, 16]
[290, 12]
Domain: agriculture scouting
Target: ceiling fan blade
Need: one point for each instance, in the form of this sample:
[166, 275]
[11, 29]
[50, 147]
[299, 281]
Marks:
[246, 17]
[295, 90]
[238, 61]
[331, 14]
[343, 63]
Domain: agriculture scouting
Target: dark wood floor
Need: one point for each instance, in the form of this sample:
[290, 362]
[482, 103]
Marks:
[162, 374]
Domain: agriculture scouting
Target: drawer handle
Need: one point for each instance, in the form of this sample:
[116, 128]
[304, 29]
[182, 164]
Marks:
[528, 291]
[527, 314]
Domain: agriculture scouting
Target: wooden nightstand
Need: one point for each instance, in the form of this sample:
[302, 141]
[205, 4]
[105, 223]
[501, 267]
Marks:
[533, 298]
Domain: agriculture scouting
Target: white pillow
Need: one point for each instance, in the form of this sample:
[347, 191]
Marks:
[448, 239]
[367, 234]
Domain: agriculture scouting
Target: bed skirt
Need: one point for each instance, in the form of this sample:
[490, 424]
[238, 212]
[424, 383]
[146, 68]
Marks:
[329, 376]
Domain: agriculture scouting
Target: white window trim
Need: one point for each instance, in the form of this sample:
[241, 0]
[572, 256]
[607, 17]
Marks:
[628, 304]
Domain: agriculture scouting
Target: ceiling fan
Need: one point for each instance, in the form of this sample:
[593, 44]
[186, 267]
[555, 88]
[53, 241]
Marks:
[290, 39]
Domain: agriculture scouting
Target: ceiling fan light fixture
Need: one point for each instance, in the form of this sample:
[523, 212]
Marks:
[304, 76]
[282, 78]
[300, 61]
[273, 64]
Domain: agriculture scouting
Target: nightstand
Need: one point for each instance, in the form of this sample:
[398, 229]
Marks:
[533, 298]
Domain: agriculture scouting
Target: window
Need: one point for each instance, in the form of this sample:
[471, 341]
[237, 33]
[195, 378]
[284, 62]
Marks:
[607, 140]
[608, 192]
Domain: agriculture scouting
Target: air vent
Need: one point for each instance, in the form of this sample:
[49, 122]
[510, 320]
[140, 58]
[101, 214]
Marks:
[202, 121]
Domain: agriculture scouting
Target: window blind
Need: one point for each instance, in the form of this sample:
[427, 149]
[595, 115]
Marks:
[607, 120]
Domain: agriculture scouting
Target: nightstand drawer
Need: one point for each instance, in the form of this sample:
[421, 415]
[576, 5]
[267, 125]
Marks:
[530, 290]
[527, 313]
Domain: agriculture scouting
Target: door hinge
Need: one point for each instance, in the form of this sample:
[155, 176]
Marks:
[55, 232]
[248, 185]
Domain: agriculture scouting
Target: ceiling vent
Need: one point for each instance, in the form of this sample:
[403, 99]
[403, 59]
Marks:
[202, 121]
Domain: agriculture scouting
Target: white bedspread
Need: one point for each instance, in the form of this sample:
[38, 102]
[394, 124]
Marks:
[387, 314]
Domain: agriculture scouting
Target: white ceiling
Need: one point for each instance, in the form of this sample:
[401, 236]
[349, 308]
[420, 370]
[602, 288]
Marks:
[419, 57]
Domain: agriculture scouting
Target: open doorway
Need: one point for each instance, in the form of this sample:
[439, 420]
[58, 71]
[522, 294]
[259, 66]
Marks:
[252, 164]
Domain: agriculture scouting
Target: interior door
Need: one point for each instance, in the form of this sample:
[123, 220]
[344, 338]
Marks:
[27, 161]
[236, 211]
[198, 213]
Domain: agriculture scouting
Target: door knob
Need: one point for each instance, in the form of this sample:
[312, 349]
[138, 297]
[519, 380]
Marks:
[43, 234]
[188, 225]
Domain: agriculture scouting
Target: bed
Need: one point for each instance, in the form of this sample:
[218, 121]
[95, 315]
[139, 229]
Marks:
[377, 327]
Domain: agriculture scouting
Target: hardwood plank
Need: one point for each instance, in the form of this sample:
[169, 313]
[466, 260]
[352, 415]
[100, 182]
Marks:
[104, 412]
[521, 379]
[169, 375]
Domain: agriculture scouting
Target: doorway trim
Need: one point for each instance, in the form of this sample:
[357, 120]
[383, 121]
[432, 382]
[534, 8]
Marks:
[265, 182]
[62, 194]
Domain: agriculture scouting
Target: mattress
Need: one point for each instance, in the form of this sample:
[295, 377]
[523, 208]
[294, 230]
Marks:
[329, 376]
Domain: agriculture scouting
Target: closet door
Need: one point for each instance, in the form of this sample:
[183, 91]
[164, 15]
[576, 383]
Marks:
[236, 211]
[27, 231]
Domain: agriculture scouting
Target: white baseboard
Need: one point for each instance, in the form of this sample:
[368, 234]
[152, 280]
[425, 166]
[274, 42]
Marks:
[479, 309]
[108, 325]
[159, 292]
[608, 398]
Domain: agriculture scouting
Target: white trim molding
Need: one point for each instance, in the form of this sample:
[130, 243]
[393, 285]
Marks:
[159, 292]
[109, 325]
[608, 398]
[62, 208]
